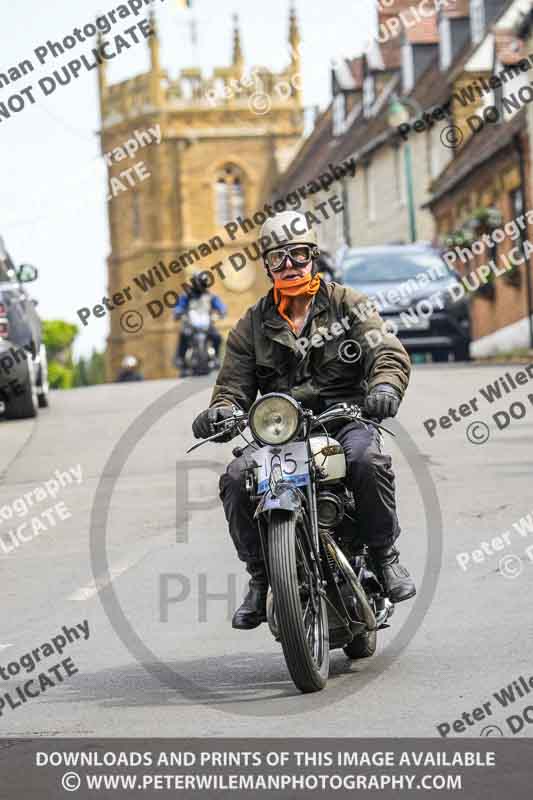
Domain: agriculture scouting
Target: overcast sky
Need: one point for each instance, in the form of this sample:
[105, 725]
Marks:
[53, 184]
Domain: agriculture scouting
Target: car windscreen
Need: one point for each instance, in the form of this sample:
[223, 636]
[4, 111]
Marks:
[381, 267]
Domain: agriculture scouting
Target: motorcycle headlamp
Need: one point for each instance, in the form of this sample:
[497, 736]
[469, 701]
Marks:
[274, 419]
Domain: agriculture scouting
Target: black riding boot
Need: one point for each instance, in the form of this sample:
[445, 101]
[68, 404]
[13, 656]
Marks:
[396, 580]
[252, 612]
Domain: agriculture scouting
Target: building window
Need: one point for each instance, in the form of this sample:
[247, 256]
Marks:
[408, 67]
[339, 114]
[136, 215]
[369, 94]
[445, 50]
[477, 20]
[229, 194]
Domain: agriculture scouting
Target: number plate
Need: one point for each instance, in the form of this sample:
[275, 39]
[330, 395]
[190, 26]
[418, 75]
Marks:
[291, 458]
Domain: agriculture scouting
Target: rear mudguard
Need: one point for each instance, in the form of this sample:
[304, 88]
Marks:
[288, 500]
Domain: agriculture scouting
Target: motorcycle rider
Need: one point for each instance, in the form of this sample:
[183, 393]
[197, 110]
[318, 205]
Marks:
[262, 355]
[201, 297]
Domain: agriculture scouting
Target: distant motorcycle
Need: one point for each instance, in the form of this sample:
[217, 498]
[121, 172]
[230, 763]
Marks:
[200, 356]
[324, 593]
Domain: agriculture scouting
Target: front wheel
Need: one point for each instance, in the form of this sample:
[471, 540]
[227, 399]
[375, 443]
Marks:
[301, 612]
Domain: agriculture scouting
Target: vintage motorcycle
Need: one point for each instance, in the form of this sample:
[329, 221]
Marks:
[200, 356]
[324, 593]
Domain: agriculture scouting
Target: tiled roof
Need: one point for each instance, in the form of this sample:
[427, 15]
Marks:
[477, 151]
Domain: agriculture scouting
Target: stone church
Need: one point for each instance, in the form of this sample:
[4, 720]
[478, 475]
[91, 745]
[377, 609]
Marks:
[219, 155]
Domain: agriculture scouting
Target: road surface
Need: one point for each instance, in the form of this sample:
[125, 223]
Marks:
[155, 668]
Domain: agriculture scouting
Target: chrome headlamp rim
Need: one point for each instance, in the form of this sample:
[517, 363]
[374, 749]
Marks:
[285, 397]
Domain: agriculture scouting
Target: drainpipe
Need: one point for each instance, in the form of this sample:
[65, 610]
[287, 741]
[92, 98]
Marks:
[522, 167]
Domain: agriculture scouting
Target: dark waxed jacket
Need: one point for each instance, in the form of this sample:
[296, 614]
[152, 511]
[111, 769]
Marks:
[262, 356]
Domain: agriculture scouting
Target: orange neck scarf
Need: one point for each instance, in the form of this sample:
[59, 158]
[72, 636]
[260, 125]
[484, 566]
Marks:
[284, 290]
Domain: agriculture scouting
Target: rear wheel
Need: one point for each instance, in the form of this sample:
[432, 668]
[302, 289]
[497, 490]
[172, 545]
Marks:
[301, 613]
[440, 356]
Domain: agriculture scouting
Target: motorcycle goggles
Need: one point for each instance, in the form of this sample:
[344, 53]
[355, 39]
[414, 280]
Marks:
[299, 255]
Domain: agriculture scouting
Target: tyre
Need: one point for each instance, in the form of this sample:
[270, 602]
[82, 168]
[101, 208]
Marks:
[362, 646]
[42, 379]
[462, 353]
[440, 356]
[24, 405]
[301, 612]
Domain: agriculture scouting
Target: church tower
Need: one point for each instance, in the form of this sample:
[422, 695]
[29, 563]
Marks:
[219, 154]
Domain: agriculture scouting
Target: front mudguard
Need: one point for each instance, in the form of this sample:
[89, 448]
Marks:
[287, 500]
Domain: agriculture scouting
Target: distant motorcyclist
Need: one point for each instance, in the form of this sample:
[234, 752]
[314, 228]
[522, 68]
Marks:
[198, 296]
[129, 370]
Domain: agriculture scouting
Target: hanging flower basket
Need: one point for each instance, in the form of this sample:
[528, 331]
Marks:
[486, 217]
[459, 238]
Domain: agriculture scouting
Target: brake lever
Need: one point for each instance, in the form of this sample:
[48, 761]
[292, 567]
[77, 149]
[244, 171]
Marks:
[226, 428]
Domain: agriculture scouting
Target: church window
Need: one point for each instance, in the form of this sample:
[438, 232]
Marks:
[229, 194]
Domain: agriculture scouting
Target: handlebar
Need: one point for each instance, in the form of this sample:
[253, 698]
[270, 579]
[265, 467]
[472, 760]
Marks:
[342, 411]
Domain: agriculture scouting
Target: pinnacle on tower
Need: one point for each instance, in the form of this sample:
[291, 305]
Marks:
[155, 62]
[294, 35]
[238, 57]
[102, 75]
[156, 90]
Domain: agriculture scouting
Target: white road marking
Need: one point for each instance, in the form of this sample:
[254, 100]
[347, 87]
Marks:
[5, 646]
[93, 587]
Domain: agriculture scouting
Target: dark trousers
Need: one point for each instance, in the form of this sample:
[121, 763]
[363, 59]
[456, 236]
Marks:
[368, 472]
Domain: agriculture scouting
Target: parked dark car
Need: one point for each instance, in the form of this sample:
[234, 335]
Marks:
[23, 364]
[403, 279]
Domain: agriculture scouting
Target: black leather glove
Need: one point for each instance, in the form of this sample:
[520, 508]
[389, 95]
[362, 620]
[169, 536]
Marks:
[382, 402]
[203, 427]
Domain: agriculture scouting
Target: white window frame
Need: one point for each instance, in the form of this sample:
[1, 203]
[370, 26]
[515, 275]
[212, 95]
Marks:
[477, 20]
[408, 68]
[339, 114]
[445, 38]
[369, 94]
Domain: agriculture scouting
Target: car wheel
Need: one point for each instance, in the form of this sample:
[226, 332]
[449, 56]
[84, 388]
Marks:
[440, 356]
[24, 405]
[42, 379]
[462, 353]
